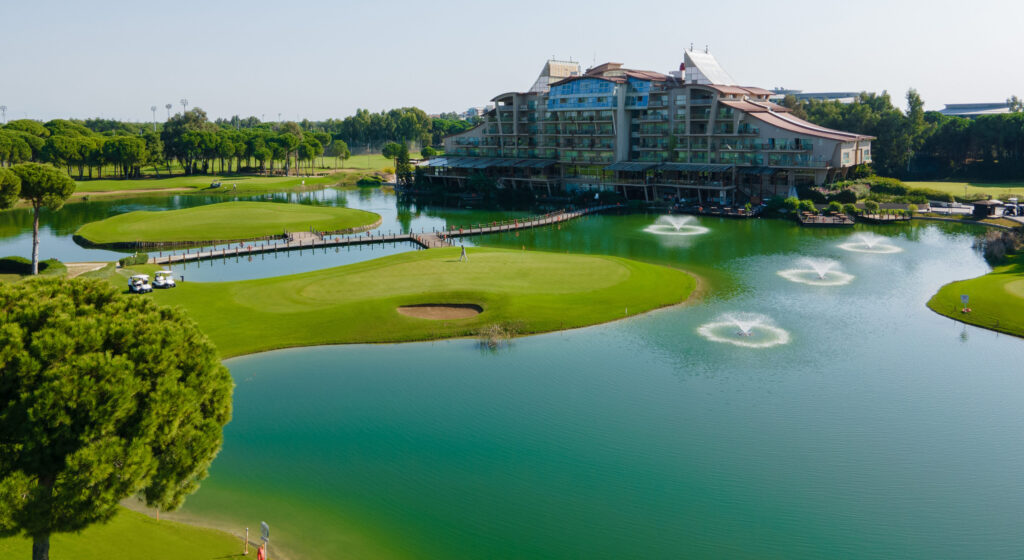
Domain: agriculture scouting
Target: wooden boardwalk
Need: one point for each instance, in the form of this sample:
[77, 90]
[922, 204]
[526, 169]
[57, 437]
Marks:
[427, 240]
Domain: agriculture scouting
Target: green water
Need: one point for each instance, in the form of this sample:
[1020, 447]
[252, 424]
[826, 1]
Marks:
[881, 430]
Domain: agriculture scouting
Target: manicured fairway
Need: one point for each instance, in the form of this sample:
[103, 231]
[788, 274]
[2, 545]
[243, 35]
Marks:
[203, 182]
[224, 221]
[996, 299]
[358, 303]
[1001, 191]
[134, 536]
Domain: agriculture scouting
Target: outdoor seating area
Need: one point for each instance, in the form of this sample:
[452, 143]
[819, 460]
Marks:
[825, 220]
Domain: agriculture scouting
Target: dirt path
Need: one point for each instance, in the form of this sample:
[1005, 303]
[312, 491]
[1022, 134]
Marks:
[80, 268]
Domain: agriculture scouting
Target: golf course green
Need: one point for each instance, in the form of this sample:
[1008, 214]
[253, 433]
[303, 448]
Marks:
[223, 222]
[996, 300]
[531, 291]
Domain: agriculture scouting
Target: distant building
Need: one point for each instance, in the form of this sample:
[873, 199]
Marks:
[972, 110]
[841, 96]
[647, 135]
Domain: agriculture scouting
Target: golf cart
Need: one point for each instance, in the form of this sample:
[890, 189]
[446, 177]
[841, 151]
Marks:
[163, 279]
[139, 284]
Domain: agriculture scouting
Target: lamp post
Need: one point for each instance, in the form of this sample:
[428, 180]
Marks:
[168, 107]
[3, 112]
[153, 108]
[184, 105]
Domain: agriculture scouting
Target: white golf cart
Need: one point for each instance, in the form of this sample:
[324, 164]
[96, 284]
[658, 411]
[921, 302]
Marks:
[139, 284]
[163, 279]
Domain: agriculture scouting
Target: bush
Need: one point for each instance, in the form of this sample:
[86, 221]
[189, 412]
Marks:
[23, 266]
[835, 207]
[861, 170]
[911, 208]
[996, 245]
[137, 258]
[871, 207]
[428, 152]
[886, 185]
[808, 206]
[369, 181]
[792, 204]
[850, 209]
[844, 195]
[812, 194]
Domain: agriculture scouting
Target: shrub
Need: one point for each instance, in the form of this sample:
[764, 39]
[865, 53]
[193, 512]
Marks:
[845, 195]
[812, 194]
[23, 266]
[369, 181]
[808, 206]
[747, 207]
[886, 185]
[428, 152]
[835, 207]
[996, 245]
[850, 209]
[792, 204]
[871, 207]
[861, 170]
[911, 208]
[496, 334]
[137, 258]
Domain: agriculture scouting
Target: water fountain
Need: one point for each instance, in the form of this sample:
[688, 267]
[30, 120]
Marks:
[750, 330]
[676, 225]
[870, 243]
[817, 272]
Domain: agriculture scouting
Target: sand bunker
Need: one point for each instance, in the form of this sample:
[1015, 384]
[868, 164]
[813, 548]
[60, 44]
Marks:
[441, 310]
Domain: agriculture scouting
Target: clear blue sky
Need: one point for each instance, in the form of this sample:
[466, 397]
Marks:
[318, 59]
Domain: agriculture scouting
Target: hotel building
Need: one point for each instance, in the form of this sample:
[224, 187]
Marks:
[691, 133]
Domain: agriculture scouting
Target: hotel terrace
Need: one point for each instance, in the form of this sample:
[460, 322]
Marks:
[649, 136]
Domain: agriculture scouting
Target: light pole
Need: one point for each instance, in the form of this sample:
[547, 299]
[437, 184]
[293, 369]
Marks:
[168, 107]
[184, 106]
[3, 111]
[153, 108]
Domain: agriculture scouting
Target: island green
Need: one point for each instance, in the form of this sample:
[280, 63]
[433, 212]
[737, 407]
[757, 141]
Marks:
[535, 291]
[222, 222]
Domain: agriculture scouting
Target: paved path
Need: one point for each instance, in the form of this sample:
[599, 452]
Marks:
[76, 269]
[427, 240]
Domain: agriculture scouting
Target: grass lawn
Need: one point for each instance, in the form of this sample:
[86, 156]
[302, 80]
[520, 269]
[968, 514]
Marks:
[224, 221]
[537, 291]
[131, 536]
[245, 183]
[996, 299]
[1001, 191]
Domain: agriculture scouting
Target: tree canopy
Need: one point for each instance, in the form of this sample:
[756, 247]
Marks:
[102, 397]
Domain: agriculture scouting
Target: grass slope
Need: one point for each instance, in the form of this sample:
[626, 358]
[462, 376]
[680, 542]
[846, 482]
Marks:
[357, 303]
[996, 299]
[1001, 191]
[131, 536]
[227, 220]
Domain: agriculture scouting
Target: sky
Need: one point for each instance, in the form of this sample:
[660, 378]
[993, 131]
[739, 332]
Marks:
[315, 60]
